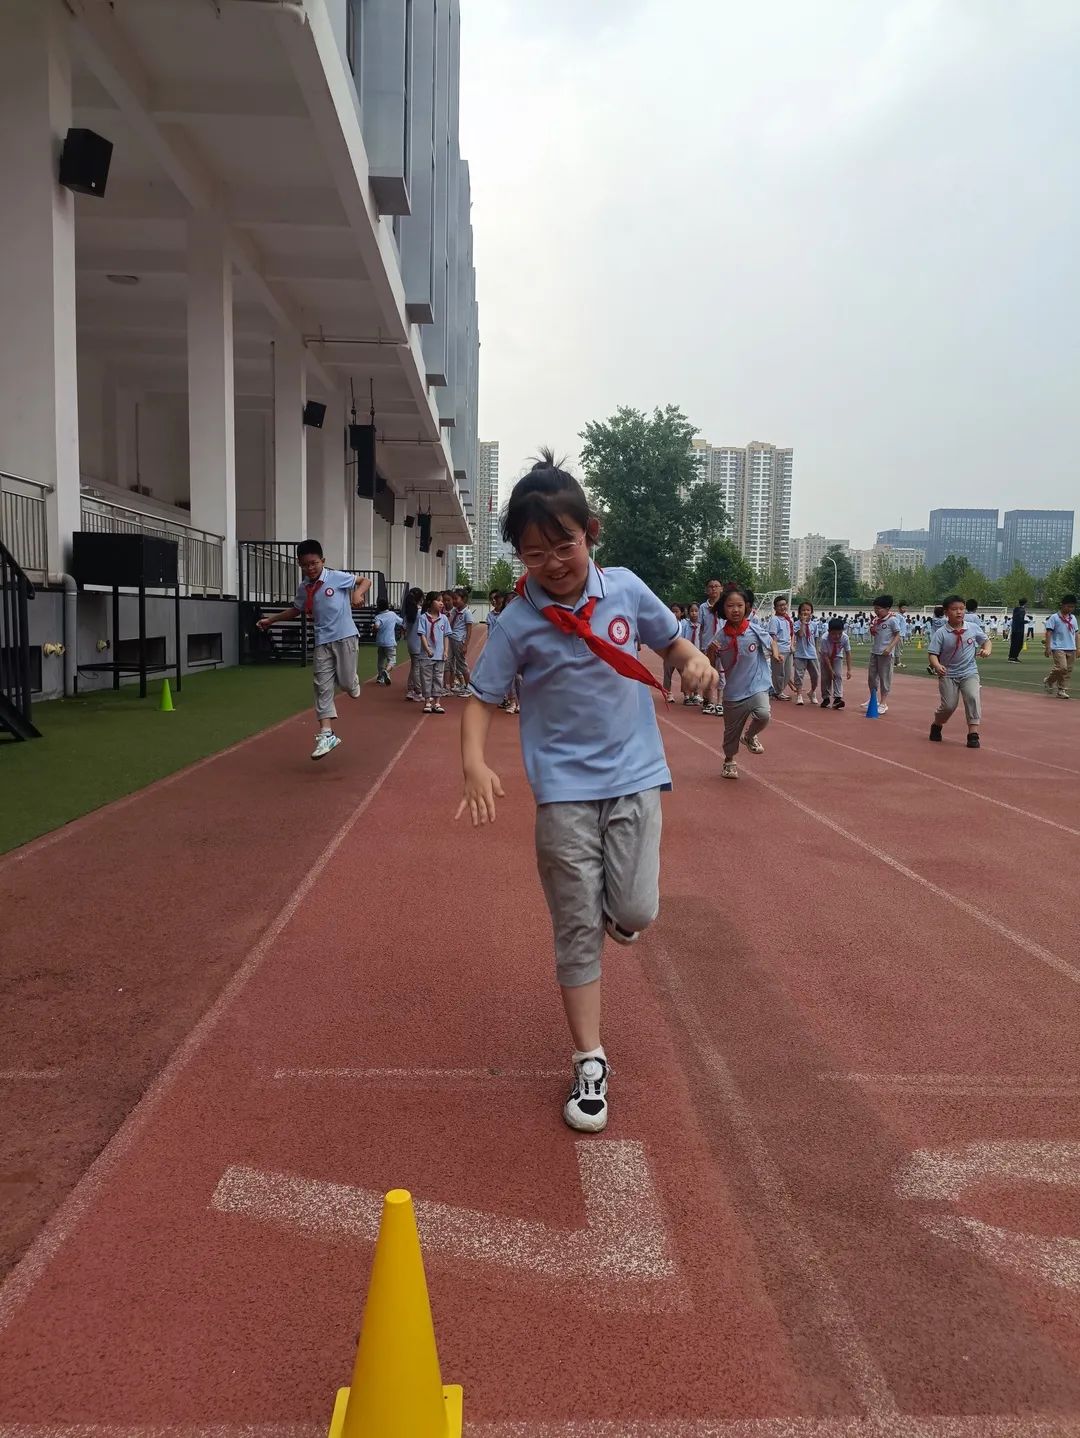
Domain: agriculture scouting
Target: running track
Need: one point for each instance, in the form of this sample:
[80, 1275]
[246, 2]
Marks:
[840, 1194]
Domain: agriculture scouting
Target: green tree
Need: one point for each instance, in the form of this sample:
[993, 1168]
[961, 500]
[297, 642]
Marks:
[653, 508]
[821, 582]
[721, 560]
[955, 575]
[462, 580]
[916, 586]
[1065, 579]
[775, 577]
[501, 576]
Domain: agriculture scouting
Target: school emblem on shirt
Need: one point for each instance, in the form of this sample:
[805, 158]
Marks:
[619, 630]
[751, 647]
[329, 593]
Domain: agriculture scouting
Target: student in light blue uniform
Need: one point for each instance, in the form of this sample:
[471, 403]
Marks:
[834, 646]
[782, 631]
[743, 649]
[669, 667]
[807, 632]
[953, 652]
[434, 632]
[412, 610]
[461, 620]
[886, 629]
[327, 597]
[905, 634]
[1059, 645]
[590, 743]
[710, 622]
[388, 625]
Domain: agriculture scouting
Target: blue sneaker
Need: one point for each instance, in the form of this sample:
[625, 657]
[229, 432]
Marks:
[326, 741]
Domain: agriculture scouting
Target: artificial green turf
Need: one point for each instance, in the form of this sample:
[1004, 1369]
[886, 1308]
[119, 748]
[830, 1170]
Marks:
[103, 745]
[1027, 676]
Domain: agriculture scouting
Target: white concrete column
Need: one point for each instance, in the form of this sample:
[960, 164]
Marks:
[290, 438]
[326, 493]
[399, 545]
[39, 408]
[211, 401]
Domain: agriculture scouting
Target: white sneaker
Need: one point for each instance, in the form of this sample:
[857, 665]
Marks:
[754, 744]
[586, 1109]
[621, 936]
[1047, 687]
[813, 699]
[883, 709]
[326, 741]
[1063, 695]
[798, 700]
[730, 770]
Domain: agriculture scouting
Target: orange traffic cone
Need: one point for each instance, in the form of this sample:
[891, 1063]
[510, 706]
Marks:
[397, 1390]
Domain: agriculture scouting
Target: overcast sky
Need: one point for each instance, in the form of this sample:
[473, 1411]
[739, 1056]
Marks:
[848, 226]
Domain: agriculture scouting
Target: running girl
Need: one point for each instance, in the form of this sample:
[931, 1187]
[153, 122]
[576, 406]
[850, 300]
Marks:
[743, 649]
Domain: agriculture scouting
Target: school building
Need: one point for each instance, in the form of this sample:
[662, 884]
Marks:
[239, 309]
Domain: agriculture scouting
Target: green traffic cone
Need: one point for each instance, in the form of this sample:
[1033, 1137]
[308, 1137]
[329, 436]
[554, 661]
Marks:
[166, 705]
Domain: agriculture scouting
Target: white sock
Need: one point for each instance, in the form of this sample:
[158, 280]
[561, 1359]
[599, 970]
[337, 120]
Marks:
[597, 1053]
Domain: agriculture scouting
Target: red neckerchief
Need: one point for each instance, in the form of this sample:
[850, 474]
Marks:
[958, 640]
[695, 630]
[806, 623]
[876, 623]
[578, 625]
[733, 631]
[1068, 621]
[432, 624]
[790, 624]
[837, 643]
[312, 586]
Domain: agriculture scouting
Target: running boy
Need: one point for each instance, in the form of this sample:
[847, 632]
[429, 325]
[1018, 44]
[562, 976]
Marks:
[953, 651]
[835, 650]
[743, 649]
[461, 626]
[434, 632]
[327, 597]
[388, 625]
[807, 631]
[886, 631]
[1059, 645]
[590, 743]
[711, 619]
[782, 632]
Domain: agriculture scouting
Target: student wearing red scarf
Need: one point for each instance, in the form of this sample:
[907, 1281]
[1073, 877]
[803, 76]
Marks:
[743, 649]
[953, 651]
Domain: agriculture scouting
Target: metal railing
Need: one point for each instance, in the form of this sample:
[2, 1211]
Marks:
[268, 573]
[200, 554]
[23, 526]
[15, 685]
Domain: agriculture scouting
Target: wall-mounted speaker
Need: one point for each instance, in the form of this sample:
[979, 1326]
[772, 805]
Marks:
[438, 554]
[424, 522]
[84, 162]
[362, 443]
[314, 414]
[409, 521]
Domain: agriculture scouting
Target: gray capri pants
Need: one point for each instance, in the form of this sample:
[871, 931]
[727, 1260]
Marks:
[737, 712]
[431, 677]
[336, 661]
[951, 691]
[804, 667]
[782, 673]
[597, 857]
[415, 684]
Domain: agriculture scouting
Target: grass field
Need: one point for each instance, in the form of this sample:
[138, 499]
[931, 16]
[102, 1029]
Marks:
[100, 746]
[1027, 676]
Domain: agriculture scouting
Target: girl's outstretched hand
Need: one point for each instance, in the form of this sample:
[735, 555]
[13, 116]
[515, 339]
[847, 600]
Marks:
[482, 787]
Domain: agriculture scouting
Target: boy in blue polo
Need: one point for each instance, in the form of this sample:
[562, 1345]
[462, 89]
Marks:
[590, 742]
[782, 633]
[954, 649]
[327, 597]
[388, 626]
[886, 631]
[461, 620]
[1059, 644]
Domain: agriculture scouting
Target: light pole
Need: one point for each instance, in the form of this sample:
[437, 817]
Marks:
[835, 579]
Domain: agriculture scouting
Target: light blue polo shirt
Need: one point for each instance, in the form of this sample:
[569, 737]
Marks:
[937, 622]
[435, 628]
[747, 673]
[387, 624]
[782, 629]
[461, 620]
[1062, 631]
[806, 636]
[332, 609]
[710, 623]
[891, 626]
[587, 732]
[412, 634]
[825, 648]
[956, 649]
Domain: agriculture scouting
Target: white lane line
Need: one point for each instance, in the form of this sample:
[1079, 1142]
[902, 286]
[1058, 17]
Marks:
[960, 1085]
[893, 1425]
[359, 1075]
[625, 1237]
[932, 778]
[56, 1232]
[865, 1377]
[994, 749]
[1028, 946]
[18, 1075]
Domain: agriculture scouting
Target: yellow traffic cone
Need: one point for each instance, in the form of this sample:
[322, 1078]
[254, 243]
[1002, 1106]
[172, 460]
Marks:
[397, 1390]
[166, 705]
[1025, 646]
[918, 643]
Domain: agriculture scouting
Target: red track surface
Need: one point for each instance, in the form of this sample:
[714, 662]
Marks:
[865, 981]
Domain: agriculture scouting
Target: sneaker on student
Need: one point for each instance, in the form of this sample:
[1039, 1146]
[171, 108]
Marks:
[326, 741]
[754, 744]
[935, 733]
[618, 933]
[730, 770]
[708, 709]
[1063, 695]
[1048, 688]
[837, 704]
[798, 699]
[813, 699]
[718, 710]
[883, 709]
[586, 1109]
[973, 741]
[689, 699]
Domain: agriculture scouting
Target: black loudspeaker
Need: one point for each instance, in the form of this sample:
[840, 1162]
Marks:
[424, 521]
[84, 162]
[438, 554]
[409, 521]
[314, 414]
[362, 441]
[124, 559]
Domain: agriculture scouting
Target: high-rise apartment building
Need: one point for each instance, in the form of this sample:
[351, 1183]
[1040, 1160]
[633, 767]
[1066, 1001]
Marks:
[1039, 539]
[755, 488]
[971, 534]
[477, 558]
[807, 553]
[904, 539]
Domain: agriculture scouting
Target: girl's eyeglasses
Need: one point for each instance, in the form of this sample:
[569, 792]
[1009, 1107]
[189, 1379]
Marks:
[537, 558]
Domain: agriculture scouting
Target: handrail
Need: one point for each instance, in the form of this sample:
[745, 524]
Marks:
[22, 479]
[15, 590]
[147, 516]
